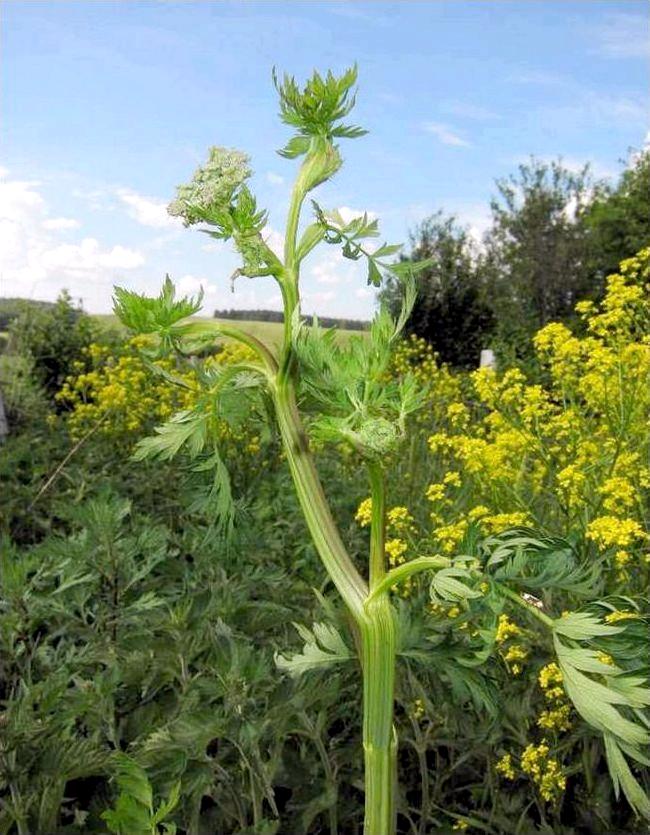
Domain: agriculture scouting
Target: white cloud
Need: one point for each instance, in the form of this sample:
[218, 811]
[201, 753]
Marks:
[190, 285]
[19, 199]
[148, 211]
[608, 107]
[537, 77]
[33, 262]
[573, 164]
[215, 246]
[319, 297]
[275, 240]
[273, 302]
[88, 258]
[60, 223]
[327, 270]
[274, 179]
[623, 35]
[349, 214]
[446, 134]
[364, 293]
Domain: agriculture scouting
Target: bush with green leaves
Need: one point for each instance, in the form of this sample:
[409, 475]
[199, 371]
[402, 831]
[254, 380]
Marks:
[52, 338]
[319, 392]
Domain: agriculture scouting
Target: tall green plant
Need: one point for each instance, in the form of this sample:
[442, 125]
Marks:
[321, 389]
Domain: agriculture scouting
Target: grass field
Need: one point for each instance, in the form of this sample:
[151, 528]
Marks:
[268, 332]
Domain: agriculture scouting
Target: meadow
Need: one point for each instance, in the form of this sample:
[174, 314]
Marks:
[256, 578]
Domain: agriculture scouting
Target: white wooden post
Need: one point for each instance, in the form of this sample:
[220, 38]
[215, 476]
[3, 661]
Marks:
[488, 360]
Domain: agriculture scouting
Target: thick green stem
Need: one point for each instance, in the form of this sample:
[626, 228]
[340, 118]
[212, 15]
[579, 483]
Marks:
[377, 526]
[315, 508]
[379, 648]
[374, 619]
[379, 652]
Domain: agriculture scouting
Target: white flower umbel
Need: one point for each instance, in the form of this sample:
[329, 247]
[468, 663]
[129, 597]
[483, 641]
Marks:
[213, 185]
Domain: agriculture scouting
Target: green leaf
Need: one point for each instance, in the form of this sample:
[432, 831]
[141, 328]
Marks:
[187, 428]
[583, 625]
[132, 779]
[129, 817]
[169, 805]
[323, 648]
[374, 275]
[446, 586]
[387, 249]
[316, 110]
[534, 563]
[310, 238]
[144, 314]
[610, 706]
[622, 778]
[295, 147]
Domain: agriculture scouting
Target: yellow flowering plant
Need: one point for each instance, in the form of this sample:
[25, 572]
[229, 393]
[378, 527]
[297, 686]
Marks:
[321, 391]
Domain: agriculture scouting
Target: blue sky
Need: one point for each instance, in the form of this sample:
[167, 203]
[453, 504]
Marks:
[107, 106]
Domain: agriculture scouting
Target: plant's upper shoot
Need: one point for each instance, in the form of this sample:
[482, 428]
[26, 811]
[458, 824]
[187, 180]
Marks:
[316, 110]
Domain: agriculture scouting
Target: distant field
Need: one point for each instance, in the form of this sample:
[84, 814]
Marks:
[269, 332]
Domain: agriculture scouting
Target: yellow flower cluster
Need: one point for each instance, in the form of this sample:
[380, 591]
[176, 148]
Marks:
[400, 520]
[608, 531]
[450, 536]
[545, 771]
[125, 396]
[399, 526]
[573, 451]
[505, 767]
[556, 718]
[551, 681]
[615, 617]
[395, 550]
[506, 629]
[502, 521]
[515, 654]
[417, 711]
[364, 513]
[414, 356]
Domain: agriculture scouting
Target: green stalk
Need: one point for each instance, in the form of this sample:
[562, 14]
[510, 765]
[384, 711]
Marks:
[378, 659]
[374, 618]
[315, 508]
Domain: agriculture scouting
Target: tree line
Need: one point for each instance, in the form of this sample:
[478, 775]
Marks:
[555, 235]
[263, 315]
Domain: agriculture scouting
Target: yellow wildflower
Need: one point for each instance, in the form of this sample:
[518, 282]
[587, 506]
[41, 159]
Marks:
[395, 549]
[506, 629]
[505, 767]
[364, 513]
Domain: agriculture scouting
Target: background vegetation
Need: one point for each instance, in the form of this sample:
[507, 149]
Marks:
[129, 624]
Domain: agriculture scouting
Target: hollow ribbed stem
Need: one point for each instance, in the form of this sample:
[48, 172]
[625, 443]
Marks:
[374, 620]
[315, 508]
[379, 648]
[377, 525]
